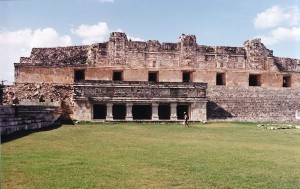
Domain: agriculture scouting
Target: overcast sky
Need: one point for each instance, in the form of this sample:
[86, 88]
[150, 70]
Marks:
[25, 24]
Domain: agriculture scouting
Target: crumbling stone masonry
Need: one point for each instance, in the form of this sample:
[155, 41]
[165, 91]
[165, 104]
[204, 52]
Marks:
[43, 94]
[135, 80]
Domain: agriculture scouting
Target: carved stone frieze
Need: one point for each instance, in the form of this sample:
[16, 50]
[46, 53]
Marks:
[144, 90]
[256, 54]
[119, 51]
[188, 51]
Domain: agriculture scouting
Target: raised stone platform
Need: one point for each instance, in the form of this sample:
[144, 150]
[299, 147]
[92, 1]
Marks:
[17, 118]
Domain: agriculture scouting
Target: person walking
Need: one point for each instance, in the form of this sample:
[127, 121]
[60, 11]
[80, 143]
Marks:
[186, 120]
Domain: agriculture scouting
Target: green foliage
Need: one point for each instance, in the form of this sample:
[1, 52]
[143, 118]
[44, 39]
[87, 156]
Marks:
[106, 155]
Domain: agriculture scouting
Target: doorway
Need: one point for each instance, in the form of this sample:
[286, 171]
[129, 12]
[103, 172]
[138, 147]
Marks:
[164, 111]
[99, 111]
[181, 108]
[142, 112]
[119, 111]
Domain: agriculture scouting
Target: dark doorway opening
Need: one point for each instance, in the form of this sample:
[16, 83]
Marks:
[181, 109]
[286, 82]
[220, 80]
[186, 76]
[117, 76]
[119, 111]
[254, 80]
[164, 111]
[79, 75]
[152, 76]
[99, 111]
[142, 112]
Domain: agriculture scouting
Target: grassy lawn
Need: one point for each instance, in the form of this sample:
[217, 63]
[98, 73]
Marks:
[211, 155]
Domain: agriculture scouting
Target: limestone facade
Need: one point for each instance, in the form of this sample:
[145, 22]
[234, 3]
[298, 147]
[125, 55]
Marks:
[234, 77]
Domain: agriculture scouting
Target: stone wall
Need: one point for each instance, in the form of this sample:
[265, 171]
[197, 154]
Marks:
[44, 74]
[252, 104]
[233, 77]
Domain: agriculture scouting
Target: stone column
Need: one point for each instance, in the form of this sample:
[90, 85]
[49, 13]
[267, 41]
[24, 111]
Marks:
[129, 116]
[155, 111]
[173, 111]
[109, 115]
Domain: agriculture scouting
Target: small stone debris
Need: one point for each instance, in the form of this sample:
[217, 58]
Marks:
[273, 126]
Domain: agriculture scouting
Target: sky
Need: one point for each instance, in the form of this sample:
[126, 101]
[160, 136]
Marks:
[25, 24]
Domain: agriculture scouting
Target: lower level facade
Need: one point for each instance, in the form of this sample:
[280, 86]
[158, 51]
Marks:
[160, 101]
[139, 101]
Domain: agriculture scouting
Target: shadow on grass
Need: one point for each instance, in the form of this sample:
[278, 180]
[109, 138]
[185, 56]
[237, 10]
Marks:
[19, 134]
[23, 133]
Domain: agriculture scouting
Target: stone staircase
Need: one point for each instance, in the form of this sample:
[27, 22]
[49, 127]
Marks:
[254, 104]
[25, 120]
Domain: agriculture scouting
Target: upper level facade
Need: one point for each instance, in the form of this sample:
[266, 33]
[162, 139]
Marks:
[185, 61]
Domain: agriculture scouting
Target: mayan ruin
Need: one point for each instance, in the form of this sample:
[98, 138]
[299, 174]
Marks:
[125, 80]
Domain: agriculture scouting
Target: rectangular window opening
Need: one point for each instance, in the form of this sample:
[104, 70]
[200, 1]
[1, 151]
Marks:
[117, 76]
[186, 77]
[221, 79]
[153, 76]
[254, 80]
[286, 81]
[79, 75]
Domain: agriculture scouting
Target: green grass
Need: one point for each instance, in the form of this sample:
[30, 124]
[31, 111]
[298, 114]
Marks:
[211, 155]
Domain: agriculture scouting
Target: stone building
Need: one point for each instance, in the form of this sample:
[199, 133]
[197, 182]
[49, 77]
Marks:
[134, 80]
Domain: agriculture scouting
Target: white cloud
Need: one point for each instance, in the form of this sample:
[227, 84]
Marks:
[281, 34]
[277, 16]
[92, 33]
[282, 24]
[48, 37]
[14, 44]
[96, 33]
